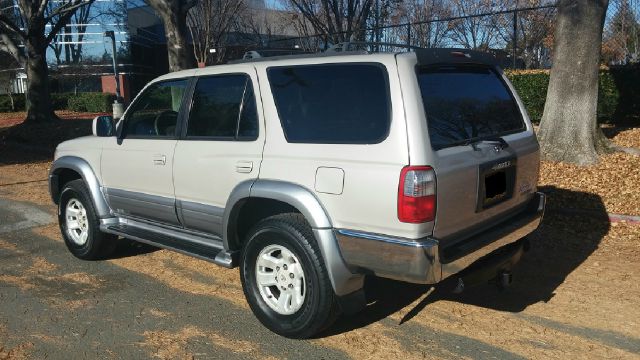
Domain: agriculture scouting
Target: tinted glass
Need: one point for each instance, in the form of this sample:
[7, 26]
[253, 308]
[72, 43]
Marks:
[464, 103]
[248, 127]
[337, 103]
[155, 112]
[217, 105]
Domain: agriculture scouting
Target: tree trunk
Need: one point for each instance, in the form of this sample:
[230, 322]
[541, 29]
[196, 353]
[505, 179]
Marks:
[176, 30]
[38, 99]
[568, 130]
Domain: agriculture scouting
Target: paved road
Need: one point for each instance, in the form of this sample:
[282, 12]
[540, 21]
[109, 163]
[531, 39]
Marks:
[149, 303]
[70, 308]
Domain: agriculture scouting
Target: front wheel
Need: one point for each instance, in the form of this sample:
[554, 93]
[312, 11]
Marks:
[80, 225]
[284, 277]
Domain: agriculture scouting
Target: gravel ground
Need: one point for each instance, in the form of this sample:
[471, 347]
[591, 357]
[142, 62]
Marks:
[574, 296]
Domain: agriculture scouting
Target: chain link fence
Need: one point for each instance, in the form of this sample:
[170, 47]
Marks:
[519, 36]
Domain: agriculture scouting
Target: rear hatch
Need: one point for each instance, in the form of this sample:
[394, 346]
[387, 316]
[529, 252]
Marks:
[486, 155]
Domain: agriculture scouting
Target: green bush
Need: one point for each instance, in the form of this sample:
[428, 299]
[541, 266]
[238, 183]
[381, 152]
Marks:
[60, 101]
[91, 102]
[5, 102]
[618, 93]
[532, 88]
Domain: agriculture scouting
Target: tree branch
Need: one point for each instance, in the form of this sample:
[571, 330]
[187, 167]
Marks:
[8, 26]
[65, 16]
[67, 8]
[9, 46]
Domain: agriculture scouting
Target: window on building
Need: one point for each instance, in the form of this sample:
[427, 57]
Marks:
[332, 103]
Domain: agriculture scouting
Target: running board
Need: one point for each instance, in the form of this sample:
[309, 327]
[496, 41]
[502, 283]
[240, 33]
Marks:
[205, 248]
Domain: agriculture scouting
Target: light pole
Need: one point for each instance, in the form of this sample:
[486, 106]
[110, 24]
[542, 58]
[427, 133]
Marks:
[118, 106]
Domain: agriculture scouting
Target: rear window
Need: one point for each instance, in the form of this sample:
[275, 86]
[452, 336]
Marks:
[332, 103]
[464, 103]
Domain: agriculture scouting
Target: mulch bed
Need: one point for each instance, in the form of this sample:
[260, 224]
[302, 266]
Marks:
[15, 118]
[612, 185]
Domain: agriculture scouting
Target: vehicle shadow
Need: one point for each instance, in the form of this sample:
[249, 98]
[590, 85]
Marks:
[565, 239]
[128, 248]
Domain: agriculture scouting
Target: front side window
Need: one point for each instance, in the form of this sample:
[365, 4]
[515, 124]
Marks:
[223, 107]
[465, 103]
[155, 113]
[332, 103]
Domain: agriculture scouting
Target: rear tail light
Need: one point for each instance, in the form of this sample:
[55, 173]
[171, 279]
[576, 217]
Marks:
[417, 194]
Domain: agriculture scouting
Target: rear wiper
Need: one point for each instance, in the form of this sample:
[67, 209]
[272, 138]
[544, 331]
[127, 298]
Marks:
[498, 142]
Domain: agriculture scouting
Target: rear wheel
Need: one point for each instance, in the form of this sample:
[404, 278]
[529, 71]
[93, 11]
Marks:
[80, 226]
[284, 278]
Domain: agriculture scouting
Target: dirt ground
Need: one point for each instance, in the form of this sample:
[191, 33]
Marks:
[575, 294]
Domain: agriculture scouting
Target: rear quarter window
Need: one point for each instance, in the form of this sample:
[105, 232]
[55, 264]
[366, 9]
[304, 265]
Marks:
[465, 103]
[332, 103]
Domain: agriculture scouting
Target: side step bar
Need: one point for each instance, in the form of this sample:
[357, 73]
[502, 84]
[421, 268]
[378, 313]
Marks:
[205, 248]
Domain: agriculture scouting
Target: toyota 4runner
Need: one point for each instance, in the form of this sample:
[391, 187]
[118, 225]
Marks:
[310, 172]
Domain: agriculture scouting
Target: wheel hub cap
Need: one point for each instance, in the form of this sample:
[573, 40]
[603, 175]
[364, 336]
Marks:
[76, 222]
[280, 279]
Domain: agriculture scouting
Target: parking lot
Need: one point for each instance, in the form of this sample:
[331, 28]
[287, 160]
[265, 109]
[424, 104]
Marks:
[575, 295]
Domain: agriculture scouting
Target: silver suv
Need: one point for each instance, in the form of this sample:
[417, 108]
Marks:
[310, 172]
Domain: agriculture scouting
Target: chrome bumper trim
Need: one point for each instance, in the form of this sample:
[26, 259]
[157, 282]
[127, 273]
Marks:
[418, 261]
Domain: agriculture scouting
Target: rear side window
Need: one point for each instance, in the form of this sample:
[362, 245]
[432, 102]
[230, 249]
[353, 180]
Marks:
[223, 107]
[332, 103]
[465, 103]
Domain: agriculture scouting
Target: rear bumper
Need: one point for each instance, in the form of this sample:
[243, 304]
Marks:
[421, 261]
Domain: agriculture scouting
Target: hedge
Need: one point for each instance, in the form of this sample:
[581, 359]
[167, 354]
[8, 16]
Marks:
[618, 92]
[91, 102]
[5, 102]
[84, 102]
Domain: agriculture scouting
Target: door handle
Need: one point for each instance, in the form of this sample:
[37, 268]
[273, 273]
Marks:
[159, 160]
[244, 167]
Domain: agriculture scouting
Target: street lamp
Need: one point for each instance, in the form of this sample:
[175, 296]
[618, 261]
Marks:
[118, 106]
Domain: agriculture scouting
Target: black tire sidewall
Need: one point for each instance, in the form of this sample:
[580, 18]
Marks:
[304, 321]
[75, 190]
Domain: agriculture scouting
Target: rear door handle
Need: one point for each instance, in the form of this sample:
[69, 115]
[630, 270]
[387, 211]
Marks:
[159, 160]
[244, 167]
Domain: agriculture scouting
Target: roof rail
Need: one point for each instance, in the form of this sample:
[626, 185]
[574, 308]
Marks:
[300, 56]
[359, 45]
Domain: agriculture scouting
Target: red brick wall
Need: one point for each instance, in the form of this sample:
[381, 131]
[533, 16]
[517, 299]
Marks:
[109, 86]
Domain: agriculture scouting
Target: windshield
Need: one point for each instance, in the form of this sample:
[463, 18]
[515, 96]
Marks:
[465, 103]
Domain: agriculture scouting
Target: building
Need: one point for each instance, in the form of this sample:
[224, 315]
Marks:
[80, 58]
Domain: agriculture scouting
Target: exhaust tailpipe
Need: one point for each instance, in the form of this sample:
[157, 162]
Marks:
[504, 279]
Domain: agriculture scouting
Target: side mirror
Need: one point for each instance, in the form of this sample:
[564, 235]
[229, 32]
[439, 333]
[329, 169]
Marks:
[103, 126]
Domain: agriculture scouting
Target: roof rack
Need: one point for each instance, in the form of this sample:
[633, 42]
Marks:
[347, 45]
[426, 56]
[300, 56]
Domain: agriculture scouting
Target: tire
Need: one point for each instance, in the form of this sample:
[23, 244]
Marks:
[80, 226]
[284, 235]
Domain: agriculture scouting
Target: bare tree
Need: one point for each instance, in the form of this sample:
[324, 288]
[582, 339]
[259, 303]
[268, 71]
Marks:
[174, 16]
[70, 39]
[209, 23]
[429, 34]
[472, 32]
[569, 130]
[534, 29]
[30, 29]
[339, 20]
[622, 36]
